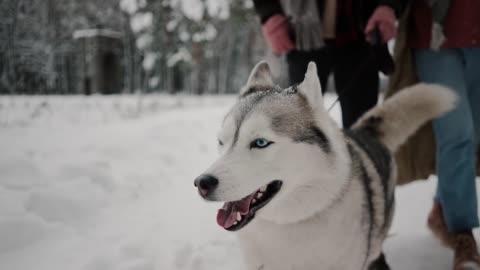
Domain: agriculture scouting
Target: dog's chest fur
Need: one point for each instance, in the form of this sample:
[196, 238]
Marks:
[335, 239]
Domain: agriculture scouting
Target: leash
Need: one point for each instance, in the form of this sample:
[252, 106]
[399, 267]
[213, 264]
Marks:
[376, 40]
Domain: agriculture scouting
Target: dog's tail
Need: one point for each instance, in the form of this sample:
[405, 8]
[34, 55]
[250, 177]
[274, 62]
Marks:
[401, 115]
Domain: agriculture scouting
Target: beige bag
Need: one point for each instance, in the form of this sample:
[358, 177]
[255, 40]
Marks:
[416, 158]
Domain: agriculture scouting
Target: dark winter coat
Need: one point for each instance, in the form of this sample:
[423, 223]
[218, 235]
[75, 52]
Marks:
[306, 23]
[352, 17]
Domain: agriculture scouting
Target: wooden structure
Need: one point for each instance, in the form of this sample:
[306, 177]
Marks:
[98, 62]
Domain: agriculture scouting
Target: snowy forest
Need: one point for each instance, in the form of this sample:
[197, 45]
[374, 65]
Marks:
[166, 46]
[110, 109]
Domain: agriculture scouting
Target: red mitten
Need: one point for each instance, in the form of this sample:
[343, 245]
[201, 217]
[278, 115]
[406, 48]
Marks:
[275, 31]
[384, 18]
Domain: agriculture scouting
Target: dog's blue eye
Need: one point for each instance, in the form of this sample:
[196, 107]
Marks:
[260, 143]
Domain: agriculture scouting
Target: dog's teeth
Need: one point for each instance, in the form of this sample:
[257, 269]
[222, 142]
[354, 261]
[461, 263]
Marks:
[263, 189]
[259, 195]
[254, 200]
[235, 223]
[239, 217]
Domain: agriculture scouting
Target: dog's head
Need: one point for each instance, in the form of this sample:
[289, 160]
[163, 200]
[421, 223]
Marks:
[282, 157]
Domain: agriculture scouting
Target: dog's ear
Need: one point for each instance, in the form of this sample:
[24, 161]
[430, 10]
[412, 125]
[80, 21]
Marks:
[260, 76]
[311, 87]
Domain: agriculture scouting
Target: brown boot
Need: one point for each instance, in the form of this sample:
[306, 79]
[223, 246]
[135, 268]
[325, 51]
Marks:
[466, 252]
[436, 223]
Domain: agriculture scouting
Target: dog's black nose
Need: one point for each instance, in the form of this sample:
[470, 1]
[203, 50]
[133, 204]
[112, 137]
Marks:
[206, 184]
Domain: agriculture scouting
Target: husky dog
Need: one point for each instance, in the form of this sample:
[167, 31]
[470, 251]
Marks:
[301, 193]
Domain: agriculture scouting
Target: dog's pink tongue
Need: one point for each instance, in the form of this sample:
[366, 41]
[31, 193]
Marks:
[228, 214]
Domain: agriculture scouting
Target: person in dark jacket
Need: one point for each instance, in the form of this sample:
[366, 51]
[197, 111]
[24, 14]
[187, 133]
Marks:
[454, 63]
[333, 34]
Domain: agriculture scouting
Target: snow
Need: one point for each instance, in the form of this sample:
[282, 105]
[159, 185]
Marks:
[144, 41]
[219, 8]
[184, 36]
[181, 55]
[141, 21]
[149, 61]
[106, 183]
[193, 9]
[207, 35]
[171, 25]
[88, 33]
[131, 6]
[153, 82]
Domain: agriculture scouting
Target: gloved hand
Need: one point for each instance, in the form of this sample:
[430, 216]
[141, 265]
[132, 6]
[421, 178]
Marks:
[275, 31]
[384, 18]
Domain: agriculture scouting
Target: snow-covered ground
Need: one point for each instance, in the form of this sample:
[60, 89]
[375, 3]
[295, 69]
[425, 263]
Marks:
[106, 183]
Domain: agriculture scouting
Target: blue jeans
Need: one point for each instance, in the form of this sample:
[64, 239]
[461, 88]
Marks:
[457, 132]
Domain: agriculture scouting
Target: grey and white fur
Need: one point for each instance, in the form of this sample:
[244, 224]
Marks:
[336, 201]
